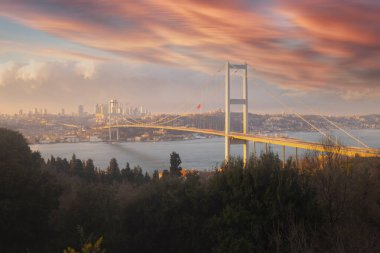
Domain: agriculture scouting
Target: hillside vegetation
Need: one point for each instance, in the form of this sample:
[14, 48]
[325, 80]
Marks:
[328, 204]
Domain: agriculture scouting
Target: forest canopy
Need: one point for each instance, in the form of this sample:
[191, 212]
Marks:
[316, 205]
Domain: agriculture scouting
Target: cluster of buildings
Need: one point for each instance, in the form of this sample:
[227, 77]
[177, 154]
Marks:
[114, 108]
[35, 111]
[40, 127]
[43, 112]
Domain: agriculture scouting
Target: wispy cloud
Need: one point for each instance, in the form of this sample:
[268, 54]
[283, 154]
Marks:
[323, 45]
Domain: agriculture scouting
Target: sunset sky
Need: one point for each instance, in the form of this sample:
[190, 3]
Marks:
[316, 56]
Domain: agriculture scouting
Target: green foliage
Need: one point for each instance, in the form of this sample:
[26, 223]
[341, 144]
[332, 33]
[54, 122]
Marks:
[156, 176]
[58, 164]
[94, 208]
[138, 177]
[135, 176]
[348, 191]
[28, 195]
[90, 171]
[14, 151]
[126, 173]
[175, 162]
[113, 170]
[171, 214]
[76, 166]
[255, 205]
[331, 205]
[237, 210]
[88, 247]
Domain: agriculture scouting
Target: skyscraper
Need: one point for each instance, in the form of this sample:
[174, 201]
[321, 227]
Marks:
[80, 110]
[113, 107]
[97, 109]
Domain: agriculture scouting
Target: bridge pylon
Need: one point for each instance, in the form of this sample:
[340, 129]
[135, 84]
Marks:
[236, 101]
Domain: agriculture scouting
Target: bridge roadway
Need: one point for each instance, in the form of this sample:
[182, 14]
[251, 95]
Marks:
[281, 141]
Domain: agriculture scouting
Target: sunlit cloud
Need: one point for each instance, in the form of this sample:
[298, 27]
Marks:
[298, 46]
[358, 95]
[31, 71]
[34, 74]
[5, 71]
[86, 69]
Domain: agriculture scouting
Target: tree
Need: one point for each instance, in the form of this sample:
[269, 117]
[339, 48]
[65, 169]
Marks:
[138, 177]
[89, 167]
[156, 176]
[169, 213]
[165, 174]
[126, 173]
[113, 170]
[147, 177]
[95, 210]
[89, 170]
[13, 149]
[62, 165]
[76, 166]
[28, 195]
[175, 162]
[255, 209]
[89, 247]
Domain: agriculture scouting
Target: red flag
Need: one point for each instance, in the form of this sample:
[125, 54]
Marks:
[199, 106]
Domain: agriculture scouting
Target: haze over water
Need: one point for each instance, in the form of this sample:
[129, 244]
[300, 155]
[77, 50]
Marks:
[202, 154]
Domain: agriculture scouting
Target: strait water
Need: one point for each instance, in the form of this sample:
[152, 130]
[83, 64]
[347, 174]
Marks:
[202, 154]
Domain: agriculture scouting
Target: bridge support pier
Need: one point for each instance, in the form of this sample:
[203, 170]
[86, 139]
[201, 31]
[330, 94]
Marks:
[283, 157]
[244, 103]
[110, 130]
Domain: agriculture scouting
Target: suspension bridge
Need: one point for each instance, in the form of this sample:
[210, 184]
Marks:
[171, 123]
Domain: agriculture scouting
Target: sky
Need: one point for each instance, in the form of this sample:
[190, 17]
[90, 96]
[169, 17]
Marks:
[320, 56]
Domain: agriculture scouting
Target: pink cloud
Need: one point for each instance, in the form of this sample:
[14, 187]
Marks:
[324, 45]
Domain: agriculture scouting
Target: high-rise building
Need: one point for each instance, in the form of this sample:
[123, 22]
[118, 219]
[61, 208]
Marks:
[97, 109]
[80, 110]
[63, 111]
[120, 109]
[113, 107]
[137, 111]
[104, 109]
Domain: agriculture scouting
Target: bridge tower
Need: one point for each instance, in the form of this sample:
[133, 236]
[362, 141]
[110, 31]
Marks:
[113, 109]
[236, 101]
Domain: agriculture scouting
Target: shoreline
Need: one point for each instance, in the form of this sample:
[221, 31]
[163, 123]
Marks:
[264, 133]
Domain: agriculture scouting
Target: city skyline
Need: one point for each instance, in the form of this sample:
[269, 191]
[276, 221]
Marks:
[98, 108]
[321, 57]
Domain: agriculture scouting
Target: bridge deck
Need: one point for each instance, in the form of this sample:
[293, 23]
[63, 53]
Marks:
[282, 141]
